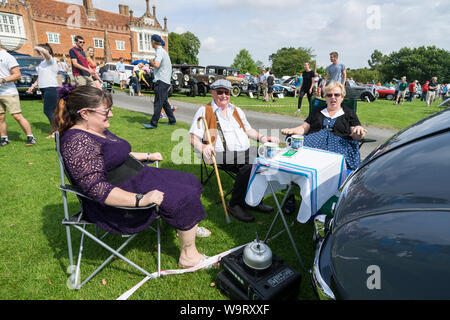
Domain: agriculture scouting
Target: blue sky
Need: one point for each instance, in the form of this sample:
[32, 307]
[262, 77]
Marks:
[354, 28]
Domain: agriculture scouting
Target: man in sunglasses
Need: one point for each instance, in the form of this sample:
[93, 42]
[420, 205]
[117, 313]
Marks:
[80, 66]
[230, 133]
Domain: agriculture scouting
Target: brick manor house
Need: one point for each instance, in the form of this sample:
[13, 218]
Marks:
[26, 23]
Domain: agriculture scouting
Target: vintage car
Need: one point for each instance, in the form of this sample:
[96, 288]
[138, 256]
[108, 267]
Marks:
[388, 237]
[357, 91]
[287, 85]
[240, 85]
[192, 79]
[386, 92]
[27, 66]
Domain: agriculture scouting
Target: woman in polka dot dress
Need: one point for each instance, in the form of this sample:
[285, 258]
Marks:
[333, 128]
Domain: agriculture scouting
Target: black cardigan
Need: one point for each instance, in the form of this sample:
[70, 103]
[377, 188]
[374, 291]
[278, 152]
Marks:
[342, 125]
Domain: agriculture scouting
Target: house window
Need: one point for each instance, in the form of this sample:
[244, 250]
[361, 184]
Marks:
[11, 25]
[120, 45]
[145, 42]
[98, 43]
[53, 37]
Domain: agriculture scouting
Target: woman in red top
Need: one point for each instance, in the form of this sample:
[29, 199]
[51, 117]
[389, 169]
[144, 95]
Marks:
[93, 66]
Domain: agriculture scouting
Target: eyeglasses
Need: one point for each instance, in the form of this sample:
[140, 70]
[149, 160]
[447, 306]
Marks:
[336, 95]
[221, 92]
[98, 110]
[81, 41]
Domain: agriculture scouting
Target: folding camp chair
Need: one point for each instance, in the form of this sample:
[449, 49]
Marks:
[79, 222]
[207, 172]
[349, 103]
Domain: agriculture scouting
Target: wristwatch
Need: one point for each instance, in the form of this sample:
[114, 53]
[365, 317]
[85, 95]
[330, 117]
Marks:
[3, 81]
[139, 196]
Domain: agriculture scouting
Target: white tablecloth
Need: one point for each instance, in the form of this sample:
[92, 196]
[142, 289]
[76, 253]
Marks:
[319, 174]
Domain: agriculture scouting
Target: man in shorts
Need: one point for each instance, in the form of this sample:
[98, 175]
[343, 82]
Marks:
[120, 68]
[9, 98]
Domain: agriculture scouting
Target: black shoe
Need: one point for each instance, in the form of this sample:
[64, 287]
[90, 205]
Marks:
[289, 205]
[3, 142]
[262, 208]
[240, 214]
[148, 126]
[31, 141]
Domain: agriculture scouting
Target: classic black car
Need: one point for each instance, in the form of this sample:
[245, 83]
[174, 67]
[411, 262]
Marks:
[190, 79]
[27, 66]
[389, 235]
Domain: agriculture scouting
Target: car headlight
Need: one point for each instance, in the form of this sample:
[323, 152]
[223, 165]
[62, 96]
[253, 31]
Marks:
[211, 80]
[22, 80]
[186, 84]
[177, 82]
[28, 79]
[186, 77]
[175, 76]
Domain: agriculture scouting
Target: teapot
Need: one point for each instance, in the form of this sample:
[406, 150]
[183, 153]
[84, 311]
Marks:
[257, 255]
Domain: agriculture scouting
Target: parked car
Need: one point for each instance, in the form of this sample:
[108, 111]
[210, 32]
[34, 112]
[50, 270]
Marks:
[192, 79]
[388, 237]
[288, 86]
[278, 88]
[27, 66]
[111, 66]
[386, 92]
[358, 91]
[240, 85]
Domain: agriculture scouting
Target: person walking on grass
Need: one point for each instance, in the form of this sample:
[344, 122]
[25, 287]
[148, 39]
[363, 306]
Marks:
[47, 81]
[9, 98]
[307, 85]
[401, 91]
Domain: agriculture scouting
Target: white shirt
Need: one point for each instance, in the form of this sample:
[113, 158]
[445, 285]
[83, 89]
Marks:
[7, 62]
[236, 139]
[47, 73]
[337, 114]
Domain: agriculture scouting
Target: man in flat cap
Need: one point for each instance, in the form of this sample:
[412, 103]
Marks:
[162, 67]
[230, 133]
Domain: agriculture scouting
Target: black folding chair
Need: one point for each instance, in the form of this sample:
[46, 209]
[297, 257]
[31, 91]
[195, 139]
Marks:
[207, 172]
[79, 222]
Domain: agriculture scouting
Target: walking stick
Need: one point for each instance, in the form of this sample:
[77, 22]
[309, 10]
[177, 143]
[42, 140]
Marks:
[208, 136]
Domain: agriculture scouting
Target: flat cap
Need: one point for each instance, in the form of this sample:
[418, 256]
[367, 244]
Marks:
[221, 83]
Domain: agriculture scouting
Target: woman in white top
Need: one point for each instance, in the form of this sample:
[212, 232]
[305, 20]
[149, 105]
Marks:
[47, 80]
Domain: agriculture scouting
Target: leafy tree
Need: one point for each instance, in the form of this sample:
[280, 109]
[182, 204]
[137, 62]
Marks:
[290, 61]
[364, 75]
[376, 59]
[183, 48]
[244, 62]
[421, 64]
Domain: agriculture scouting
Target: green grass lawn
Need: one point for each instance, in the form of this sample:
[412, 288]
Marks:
[380, 113]
[33, 250]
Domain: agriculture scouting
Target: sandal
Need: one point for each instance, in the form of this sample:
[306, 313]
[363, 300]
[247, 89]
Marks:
[202, 232]
[213, 265]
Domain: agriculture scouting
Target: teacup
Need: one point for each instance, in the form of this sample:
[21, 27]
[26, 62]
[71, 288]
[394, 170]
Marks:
[268, 150]
[295, 141]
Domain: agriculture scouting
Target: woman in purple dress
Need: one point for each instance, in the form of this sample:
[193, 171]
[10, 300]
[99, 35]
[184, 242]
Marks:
[91, 152]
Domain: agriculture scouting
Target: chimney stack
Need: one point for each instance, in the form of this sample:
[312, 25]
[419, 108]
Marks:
[90, 11]
[147, 12]
[154, 11]
[165, 23]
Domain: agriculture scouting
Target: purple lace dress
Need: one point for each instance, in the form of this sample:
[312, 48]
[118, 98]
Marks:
[89, 157]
